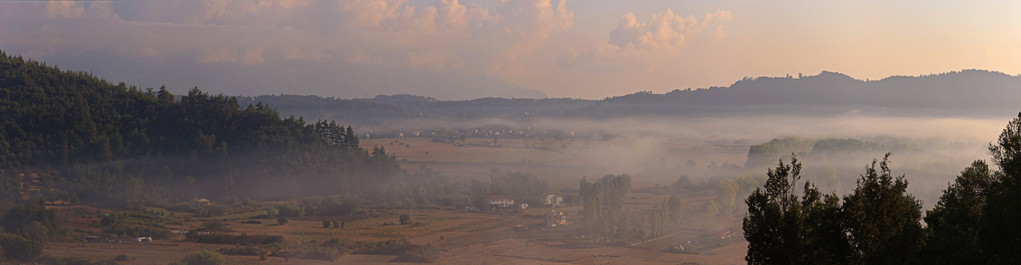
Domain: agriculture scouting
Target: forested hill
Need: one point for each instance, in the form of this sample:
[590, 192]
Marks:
[964, 93]
[73, 136]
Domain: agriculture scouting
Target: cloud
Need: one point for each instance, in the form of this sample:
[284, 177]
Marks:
[443, 35]
[492, 37]
[242, 56]
[637, 42]
[64, 9]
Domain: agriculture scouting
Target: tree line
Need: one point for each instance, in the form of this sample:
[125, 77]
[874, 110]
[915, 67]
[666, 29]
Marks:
[75, 137]
[974, 221]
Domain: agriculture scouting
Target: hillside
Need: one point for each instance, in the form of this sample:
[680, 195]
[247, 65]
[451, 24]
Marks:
[77, 137]
[968, 93]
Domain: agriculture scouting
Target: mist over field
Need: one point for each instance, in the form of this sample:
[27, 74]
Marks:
[653, 136]
[510, 132]
[656, 150]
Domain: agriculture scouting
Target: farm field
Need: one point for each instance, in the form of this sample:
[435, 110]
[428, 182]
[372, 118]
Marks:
[458, 237]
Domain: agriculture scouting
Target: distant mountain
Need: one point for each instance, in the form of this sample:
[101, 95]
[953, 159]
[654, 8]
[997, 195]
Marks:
[968, 93]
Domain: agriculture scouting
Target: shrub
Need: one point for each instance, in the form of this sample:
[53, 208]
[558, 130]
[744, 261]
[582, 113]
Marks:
[241, 240]
[204, 257]
[121, 257]
[291, 211]
[72, 261]
[242, 251]
[320, 253]
[19, 248]
[424, 254]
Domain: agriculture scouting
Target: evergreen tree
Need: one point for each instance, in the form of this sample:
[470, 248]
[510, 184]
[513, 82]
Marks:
[882, 221]
[773, 224]
[953, 222]
[999, 234]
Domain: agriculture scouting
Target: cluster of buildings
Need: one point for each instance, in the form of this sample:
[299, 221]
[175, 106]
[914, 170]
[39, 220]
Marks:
[553, 218]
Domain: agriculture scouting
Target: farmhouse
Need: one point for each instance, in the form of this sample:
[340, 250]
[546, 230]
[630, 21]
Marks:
[501, 201]
[201, 202]
[554, 199]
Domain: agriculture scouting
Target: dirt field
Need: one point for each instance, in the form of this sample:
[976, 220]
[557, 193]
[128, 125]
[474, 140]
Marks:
[459, 237]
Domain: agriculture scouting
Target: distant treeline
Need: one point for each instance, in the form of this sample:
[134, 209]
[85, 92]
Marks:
[835, 149]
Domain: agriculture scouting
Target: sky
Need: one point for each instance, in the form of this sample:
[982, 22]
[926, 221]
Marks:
[561, 48]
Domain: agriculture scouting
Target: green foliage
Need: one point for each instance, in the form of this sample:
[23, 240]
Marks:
[423, 254]
[33, 220]
[998, 232]
[784, 229]
[954, 235]
[290, 210]
[674, 207]
[726, 191]
[882, 220]
[219, 238]
[603, 202]
[773, 226]
[763, 154]
[119, 144]
[973, 222]
[524, 187]
[204, 257]
[135, 224]
[77, 261]
[20, 248]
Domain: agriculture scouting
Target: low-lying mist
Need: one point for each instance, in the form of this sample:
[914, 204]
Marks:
[658, 150]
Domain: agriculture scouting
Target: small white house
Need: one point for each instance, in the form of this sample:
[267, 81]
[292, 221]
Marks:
[501, 201]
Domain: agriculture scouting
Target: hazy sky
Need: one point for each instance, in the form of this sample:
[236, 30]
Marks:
[577, 48]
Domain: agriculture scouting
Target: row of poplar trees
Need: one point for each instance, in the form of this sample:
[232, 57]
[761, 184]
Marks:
[974, 222]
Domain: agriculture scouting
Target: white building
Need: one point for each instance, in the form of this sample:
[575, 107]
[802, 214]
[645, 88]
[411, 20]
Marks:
[501, 201]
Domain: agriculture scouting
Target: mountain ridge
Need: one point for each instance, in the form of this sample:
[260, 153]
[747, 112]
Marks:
[972, 93]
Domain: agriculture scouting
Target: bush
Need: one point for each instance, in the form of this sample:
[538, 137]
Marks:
[204, 257]
[320, 253]
[282, 220]
[242, 240]
[405, 219]
[291, 211]
[19, 248]
[121, 257]
[72, 261]
[33, 220]
[423, 254]
[242, 251]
